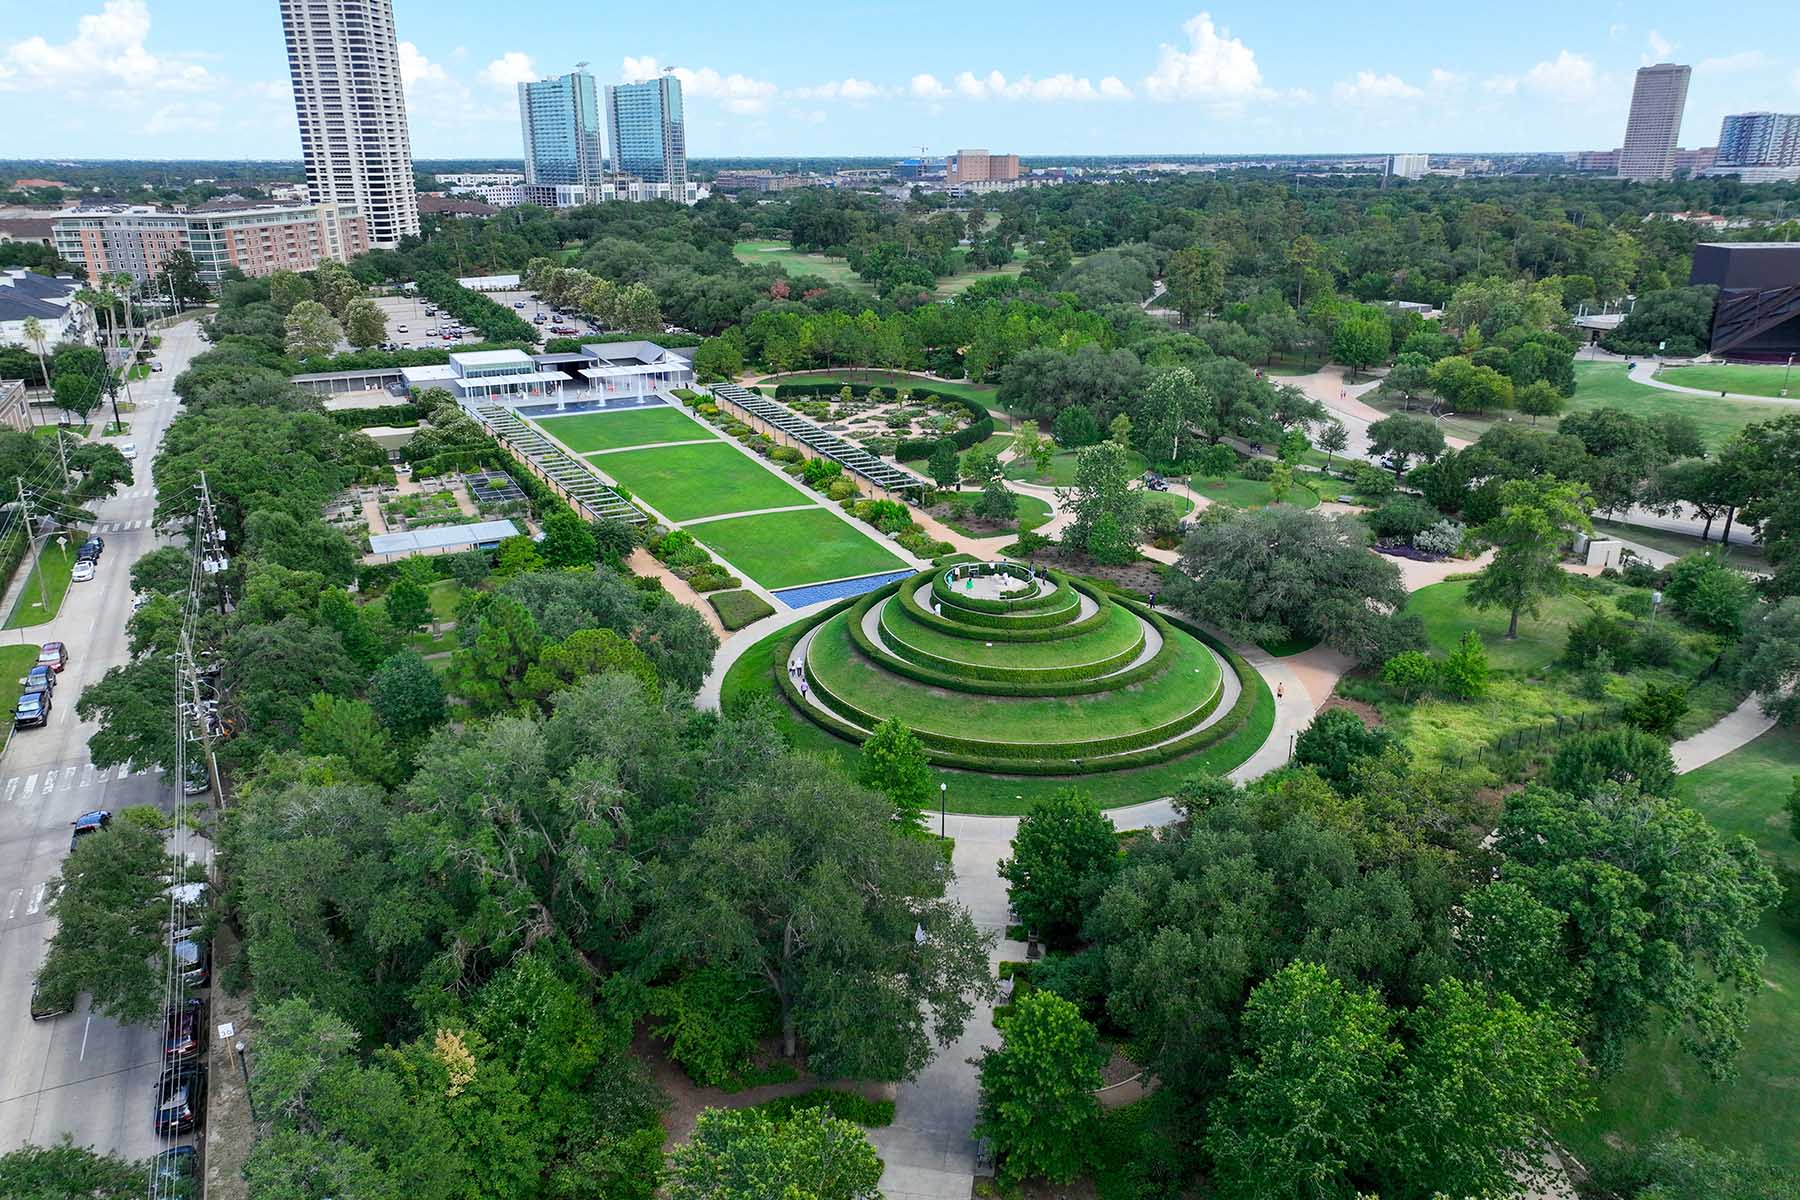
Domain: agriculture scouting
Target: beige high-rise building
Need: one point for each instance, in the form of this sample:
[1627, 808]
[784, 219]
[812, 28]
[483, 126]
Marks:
[345, 63]
[1654, 127]
[978, 166]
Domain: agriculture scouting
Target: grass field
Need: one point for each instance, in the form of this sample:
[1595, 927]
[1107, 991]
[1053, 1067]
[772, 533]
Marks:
[798, 262]
[633, 427]
[15, 660]
[685, 482]
[37, 604]
[1723, 377]
[1661, 1090]
[1250, 493]
[1605, 385]
[788, 549]
[753, 675]
[1444, 609]
[1062, 469]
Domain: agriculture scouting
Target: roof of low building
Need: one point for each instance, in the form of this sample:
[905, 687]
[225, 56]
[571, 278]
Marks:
[441, 537]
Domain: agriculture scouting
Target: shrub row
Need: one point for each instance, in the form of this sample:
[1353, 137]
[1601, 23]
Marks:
[740, 608]
[491, 319]
[1068, 752]
[1032, 596]
[1060, 608]
[387, 414]
[910, 602]
[979, 429]
[894, 636]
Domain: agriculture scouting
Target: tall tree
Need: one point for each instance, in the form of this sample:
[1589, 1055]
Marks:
[1536, 517]
[892, 762]
[1196, 281]
[365, 324]
[740, 1154]
[311, 330]
[1064, 854]
[1106, 506]
[1170, 404]
[1037, 1090]
[1403, 438]
[112, 921]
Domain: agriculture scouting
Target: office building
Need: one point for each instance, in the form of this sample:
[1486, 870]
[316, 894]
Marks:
[759, 180]
[253, 238]
[479, 178]
[1654, 127]
[1759, 147]
[560, 121]
[345, 64]
[1409, 166]
[1695, 161]
[600, 372]
[1757, 315]
[646, 132]
[1602, 162]
[978, 167]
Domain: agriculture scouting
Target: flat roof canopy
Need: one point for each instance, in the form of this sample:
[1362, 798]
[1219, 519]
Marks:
[441, 537]
[472, 381]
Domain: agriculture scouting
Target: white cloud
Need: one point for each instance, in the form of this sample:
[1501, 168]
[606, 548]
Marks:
[845, 89]
[927, 87]
[1215, 66]
[509, 70]
[1657, 48]
[106, 57]
[1443, 81]
[1565, 77]
[735, 93]
[1050, 89]
[1500, 85]
[1370, 88]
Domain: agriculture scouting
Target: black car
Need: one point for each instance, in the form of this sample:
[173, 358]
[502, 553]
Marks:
[175, 1174]
[184, 1031]
[180, 1098]
[40, 679]
[89, 822]
[90, 550]
[32, 708]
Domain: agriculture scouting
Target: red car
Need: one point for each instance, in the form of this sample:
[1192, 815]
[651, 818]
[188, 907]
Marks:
[184, 1031]
[53, 655]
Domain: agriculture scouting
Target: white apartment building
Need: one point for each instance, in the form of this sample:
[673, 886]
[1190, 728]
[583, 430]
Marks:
[345, 63]
[1409, 166]
[1653, 129]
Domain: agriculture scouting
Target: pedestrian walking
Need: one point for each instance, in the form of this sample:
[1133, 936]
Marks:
[1280, 690]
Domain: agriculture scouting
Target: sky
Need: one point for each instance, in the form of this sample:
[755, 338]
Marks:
[208, 78]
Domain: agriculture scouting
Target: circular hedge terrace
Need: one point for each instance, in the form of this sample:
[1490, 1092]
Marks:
[1002, 669]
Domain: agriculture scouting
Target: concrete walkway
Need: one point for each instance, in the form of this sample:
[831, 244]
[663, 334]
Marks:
[1733, 731]
[1644, 371]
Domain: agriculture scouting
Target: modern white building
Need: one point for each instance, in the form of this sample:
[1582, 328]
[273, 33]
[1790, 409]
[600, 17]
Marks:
[597, 375]
[51, 300]
[1653, 129]
[1409, 166]
[344, 60]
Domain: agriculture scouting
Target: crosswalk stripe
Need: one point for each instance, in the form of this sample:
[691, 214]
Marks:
[68, 776]
[12, 785]
[30, 784]
[49, 782]
[87, 775]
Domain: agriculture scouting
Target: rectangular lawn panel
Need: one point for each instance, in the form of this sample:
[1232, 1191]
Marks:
[583, 432]
[685, 482]
[1606, 385]
[1742, 378]
[781, 550]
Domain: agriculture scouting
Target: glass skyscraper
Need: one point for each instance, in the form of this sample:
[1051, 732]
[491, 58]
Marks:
[560, 121]
[647, 134]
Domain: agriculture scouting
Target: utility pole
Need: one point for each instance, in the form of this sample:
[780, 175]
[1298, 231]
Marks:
[62, 456]
[31, 540]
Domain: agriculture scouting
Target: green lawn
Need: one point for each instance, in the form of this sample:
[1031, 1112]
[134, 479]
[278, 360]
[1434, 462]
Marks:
[633, 427]
[1751, 558]
[1446, 613]
[1119, 631]
[1033, 512]
[1660, 1090]
[781, 550]
[684, 482]
[1062, 469]
[15, 660]
[1249, 493]
[49, 431]
[1605, 385]
[798, 262]
[1744, 379]
[753, 675]
[37, 604]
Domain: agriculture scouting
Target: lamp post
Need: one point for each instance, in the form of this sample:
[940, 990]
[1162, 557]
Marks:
[1786, 373]
[943, 806]
[244, 1067]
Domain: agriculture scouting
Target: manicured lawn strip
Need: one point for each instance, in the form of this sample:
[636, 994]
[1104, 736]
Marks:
[445, 595]
[798, 262]
[1750, 558]
[1250, 493]
[1120, 630]
[739, 608]
[781, 550]
[1606, 385]
[1062, 468]
[1033, 512]
[684, 482]
[37, 604]
[583, 432]
[1744, 378]
[15, 660]
[753, 676]
[1192, 677]
[1446, 613]
[1661, 1089]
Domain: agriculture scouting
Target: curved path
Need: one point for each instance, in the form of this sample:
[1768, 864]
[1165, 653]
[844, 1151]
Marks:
[1644, 371]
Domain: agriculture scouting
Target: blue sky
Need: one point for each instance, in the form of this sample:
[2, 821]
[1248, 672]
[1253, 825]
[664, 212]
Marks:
[207, 78]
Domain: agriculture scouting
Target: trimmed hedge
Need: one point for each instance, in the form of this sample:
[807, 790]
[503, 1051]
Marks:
[1054, 633]
[491, 319]
[1034, 595]
[387, 414]
[740, 608]
[846, 1106]
[1061, 607]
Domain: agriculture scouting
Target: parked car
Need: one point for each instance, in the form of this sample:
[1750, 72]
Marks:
[196, 778]
[401, 329]
[156, 366]
[129, 450]
[54, 656]
[89, 822]
[82, 571]
[184, 1031]
[40, 679]
[193, 955]
[180, 1098]
[31, 709]
[518, 304]
[175, 1174]
[539, 319]
[95, 544]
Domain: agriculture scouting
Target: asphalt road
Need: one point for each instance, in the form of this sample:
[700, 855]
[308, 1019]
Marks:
[79, 1074]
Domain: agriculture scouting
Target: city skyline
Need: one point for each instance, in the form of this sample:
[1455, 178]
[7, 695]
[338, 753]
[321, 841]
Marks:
[205, 79]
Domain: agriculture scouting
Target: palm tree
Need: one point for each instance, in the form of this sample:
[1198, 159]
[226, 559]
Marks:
[124, 281]
[34, 333]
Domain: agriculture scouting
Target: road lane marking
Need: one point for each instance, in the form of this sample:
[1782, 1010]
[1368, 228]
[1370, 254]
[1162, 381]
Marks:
[84, 1036]
[12, 786]
[87, 775]
[37, 900]
[68, 776]
[49, 781]
[12, 903]
[30, 784]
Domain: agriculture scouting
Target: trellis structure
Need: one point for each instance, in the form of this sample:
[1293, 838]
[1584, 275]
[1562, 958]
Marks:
[569, 475]
[854, 458]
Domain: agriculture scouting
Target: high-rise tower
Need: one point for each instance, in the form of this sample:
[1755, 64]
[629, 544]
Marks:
[1654, 126]
[345, 64]
[560, 121]
[647, 133]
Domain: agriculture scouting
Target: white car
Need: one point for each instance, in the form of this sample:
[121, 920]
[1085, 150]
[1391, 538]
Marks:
[129, 450]
[82, 572]
[400, 329]
[155, 366]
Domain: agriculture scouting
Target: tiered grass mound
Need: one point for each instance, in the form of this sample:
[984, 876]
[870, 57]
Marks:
[997, 668]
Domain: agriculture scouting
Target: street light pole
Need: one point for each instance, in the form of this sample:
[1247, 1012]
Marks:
[1786, 373]
[244, 1067]
[943, 807]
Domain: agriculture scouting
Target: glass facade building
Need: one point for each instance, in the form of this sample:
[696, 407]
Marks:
[1759, 139]
[647, 133]
[560, 121]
